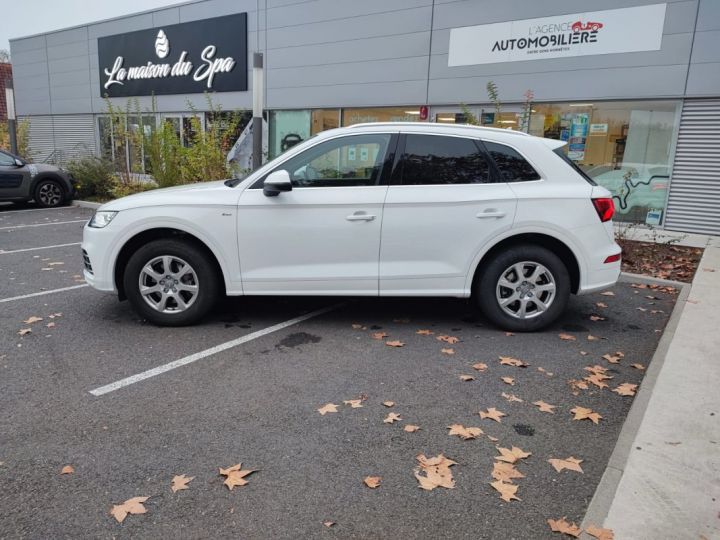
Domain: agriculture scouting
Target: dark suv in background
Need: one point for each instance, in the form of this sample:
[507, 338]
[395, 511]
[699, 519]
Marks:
[49, 186]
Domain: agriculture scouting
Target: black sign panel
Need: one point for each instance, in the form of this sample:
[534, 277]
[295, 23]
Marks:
[194, 57]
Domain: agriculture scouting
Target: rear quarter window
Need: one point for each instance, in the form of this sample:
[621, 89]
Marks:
[510, 164]
[562, 155]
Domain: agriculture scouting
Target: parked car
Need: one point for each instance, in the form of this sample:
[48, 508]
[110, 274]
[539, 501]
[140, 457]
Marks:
[47, 185]
[385, 209]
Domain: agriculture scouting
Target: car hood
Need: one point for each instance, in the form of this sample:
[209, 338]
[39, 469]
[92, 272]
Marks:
[43, 167]
[196, 194]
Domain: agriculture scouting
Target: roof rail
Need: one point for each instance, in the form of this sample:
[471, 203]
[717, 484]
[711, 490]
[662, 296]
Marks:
[436, 125]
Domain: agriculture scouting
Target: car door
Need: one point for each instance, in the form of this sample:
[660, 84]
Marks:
[443, 205]
[11, 177]
[323, 236]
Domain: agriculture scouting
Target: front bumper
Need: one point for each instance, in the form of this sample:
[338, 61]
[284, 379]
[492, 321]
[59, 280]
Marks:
[96, 247]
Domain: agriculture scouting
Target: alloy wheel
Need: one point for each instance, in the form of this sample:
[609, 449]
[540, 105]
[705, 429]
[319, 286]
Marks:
[525, 290]
[50, 194]
[168, 284]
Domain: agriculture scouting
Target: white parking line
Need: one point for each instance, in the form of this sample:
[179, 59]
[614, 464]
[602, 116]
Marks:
[38, 248]
[42, 293]
[207, 352]
[42, 224]
[2, 213]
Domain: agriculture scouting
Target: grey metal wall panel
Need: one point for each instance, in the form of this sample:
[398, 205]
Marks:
[694, 199]
[166, 16]
[27, 44]
[28, 57]
[706, 47]
[76, 48]
[340, 10]
[69, 63]
[217, 8]
[119, 26]
[360, 95]
[71, 78]
[708, 15]
[63, 37]
[35, 69]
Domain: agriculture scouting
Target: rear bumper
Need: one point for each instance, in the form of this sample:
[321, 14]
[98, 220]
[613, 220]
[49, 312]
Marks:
[601, 278]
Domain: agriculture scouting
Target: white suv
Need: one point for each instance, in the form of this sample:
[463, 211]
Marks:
[387, 209]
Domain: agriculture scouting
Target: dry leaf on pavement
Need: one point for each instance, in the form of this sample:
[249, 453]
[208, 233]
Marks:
[510, 361]
[131, 506]
[600, 533]
[379, 335]
[359, 327]
[567, 337]
[467, 378]
[512, 455]
[508, 380]
[411, 428]
[50, 325]
[581, 413]
[505, 472]
[545, 407]
[511, 398]
[638, 366]
[180, 481]
[235, 476]
[509, 334]
[614, 358]
[571, 464]
[507, 491]
[67, 469]
[396, 343]
[626, 389]
[391, 418]
[32, 319]
[545, 371]
[590, 337]
[598, 379]
[424, 332]
[447, 351]
[354, 403]
[596, 318]
[601, 304]
[25, 331]
[452, 340]
[492, 413]
[480, 366]
[327, 408]
[607, 293]
[372, 481]
[562, 526]
[437, 472]
[465, 433]
[328, 523]
[388, 403]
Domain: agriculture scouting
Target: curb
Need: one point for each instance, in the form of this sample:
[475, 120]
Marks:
[87, 204]
[602, 500]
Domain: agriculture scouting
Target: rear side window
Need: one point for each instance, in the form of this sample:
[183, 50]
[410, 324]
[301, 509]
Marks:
[563, 156]
[511, 165]
[436, 159]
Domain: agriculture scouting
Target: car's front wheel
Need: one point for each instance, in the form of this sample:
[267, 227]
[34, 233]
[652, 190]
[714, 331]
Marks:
[523, 288]
[171, 283]
[49, 194]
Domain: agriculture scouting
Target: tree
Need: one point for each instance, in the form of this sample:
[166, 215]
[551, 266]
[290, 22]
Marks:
[4, 56]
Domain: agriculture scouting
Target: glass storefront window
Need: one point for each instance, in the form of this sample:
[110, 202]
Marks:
[323, 119]
[286, 129]
[380, 114]
[624, 146]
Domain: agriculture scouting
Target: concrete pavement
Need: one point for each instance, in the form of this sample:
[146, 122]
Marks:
[669, 485]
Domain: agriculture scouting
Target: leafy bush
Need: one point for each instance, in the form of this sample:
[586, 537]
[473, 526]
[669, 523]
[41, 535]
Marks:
[95, 177]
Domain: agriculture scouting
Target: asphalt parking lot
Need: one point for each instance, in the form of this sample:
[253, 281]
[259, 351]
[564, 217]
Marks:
[255, 400]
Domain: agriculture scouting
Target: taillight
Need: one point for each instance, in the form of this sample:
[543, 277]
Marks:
[605, 208]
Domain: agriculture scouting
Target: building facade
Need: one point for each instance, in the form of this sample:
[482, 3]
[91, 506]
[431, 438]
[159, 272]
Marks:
[633, 87]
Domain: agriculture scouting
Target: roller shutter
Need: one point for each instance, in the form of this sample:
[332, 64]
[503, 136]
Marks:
[694, 200]
[62, 138]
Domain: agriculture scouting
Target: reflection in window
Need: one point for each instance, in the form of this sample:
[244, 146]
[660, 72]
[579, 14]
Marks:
[511, 165]
[432, 159]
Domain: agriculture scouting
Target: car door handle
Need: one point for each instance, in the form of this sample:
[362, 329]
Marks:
[360, 216]
[492, 213]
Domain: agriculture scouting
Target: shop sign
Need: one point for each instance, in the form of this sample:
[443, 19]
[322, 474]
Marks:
[598, 129]
[579, 34]
[195, 57]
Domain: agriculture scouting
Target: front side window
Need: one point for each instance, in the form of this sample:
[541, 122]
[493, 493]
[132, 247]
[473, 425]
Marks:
[6, 160]
[437, 159]
[347, 161]
[510, 164]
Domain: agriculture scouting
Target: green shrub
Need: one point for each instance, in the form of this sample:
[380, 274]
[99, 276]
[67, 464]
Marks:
[94, 176]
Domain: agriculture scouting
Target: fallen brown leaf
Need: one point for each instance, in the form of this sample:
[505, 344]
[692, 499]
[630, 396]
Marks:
[601, 304]
[508, 380]
[452, 340]
[359, 327]
[411, 428]
[396, 343]
[510, 361]
[546, 372]
[511, 398]
[67, 469]
[328, 523]
[180, 481]
[509, 334]
[626, 389]
[562, 526]
[354, 403]
[235, 476]
[614, 358]
[505, 472]
[600, 533]
[379, 335]
[447, 351]
[465, 433]
[581, 413]
[32, 319]
[576, 385]
[327, 408]
[50, 325]
[512, 455]
[437, 472]
[596, 318]
[372, 481]
[480, 366]
[391, 418]
[592, 338]
[493, 439]
[607, 293]
[492, 413]
[467, 378]
[545, 407]
[567, 337]
[388, 403]
[571, 464]
[507, 491]
[25, 331]
[131, 506]
[638, 366]
[425, 332]
[598, 379]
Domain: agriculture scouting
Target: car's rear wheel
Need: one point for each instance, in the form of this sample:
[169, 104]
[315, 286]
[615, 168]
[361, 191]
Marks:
[171, 283]
[523, 288]
[49, 194]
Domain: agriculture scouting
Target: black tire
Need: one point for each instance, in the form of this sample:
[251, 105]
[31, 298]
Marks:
[206, 281]
[486, 288]
[49, 194]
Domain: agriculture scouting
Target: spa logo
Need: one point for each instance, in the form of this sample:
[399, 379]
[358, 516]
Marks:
[162, 45]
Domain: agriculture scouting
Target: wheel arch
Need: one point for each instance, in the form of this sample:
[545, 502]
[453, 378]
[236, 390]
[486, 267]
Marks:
[49, 176]
[557, 246]
[157, 233]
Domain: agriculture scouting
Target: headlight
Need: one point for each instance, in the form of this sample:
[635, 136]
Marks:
[101, 219]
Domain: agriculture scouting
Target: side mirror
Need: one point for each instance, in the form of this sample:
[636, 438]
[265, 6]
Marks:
[276, 183]
[19, 162]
